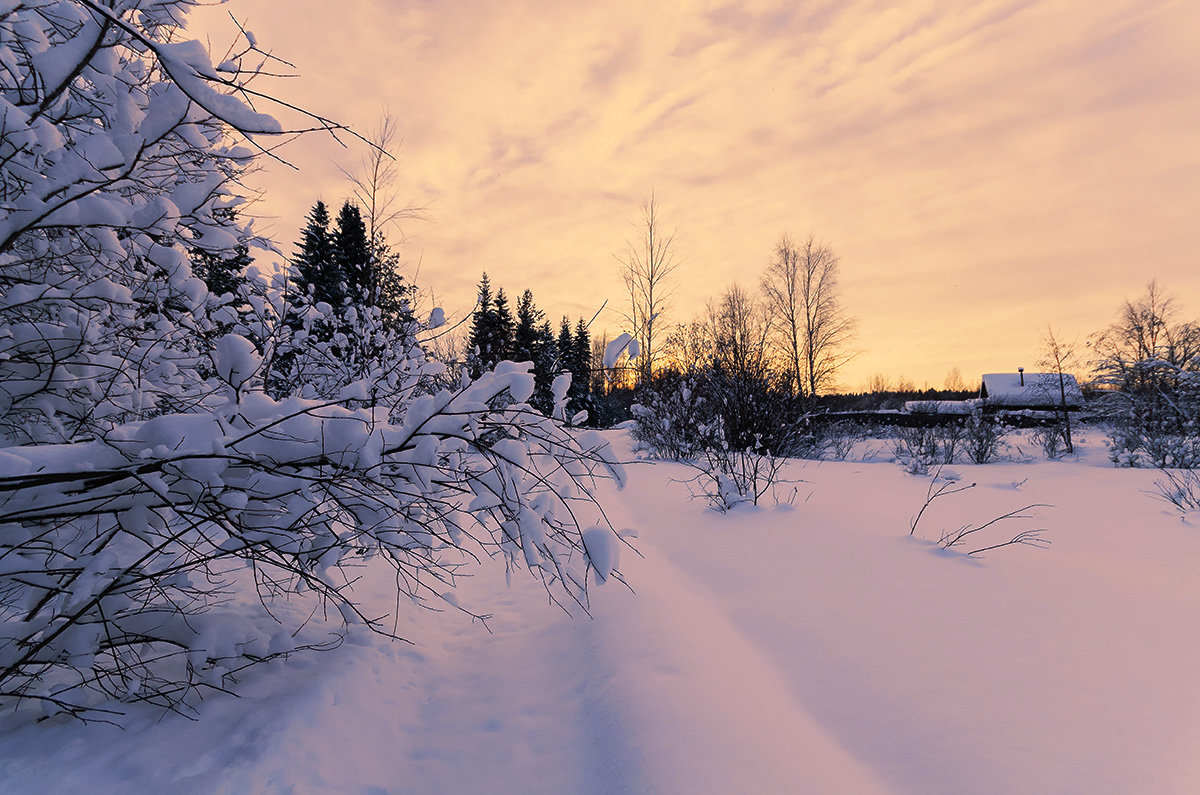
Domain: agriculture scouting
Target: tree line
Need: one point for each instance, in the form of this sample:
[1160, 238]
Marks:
[794, 328]
[497, 335]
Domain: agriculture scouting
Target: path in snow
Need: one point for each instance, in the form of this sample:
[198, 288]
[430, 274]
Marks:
[659, 693]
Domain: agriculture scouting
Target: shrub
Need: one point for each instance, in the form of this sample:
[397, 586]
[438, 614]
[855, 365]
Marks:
[965, 535]
[919, 448]
[1159, 423]
[733, 429]
[1181, 489]
[1052, 438]
[983, 436]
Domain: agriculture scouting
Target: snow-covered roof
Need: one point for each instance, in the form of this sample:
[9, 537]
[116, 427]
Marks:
[938, 406]
[1030, 389]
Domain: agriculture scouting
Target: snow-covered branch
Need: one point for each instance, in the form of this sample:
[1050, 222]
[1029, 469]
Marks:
[187, 480]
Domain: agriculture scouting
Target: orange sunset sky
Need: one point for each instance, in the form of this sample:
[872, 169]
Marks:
[982, 168]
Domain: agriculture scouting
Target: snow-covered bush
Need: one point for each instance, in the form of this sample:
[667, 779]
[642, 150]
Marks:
[918, 448]
[114, 161]
[729, 476]
[820, 440]
[922, 447]
[164, 522]
[117, 551]
[1157, 423]
[1052, 438]
[674, 419]
[983, 436]
[733, 429]
[1148, 364]
[678, 414]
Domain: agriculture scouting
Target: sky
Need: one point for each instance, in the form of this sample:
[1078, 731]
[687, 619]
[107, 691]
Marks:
[982, 169]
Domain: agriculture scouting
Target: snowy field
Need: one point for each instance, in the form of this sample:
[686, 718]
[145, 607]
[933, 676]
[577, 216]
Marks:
[813, 647]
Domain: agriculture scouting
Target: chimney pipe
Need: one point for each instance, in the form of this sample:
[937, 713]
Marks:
[1021, 370]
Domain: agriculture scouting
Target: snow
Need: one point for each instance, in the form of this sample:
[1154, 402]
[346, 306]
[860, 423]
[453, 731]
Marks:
[236, 360]
[814, 647]
[187, 62]
[603, 551]
[1030, 389]
[622, 344]
[938, 406]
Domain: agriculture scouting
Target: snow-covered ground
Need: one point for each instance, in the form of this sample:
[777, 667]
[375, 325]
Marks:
[814, 647]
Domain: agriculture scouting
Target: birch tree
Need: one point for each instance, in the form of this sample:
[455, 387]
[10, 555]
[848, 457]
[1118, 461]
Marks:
[812, 328]
[647, 267]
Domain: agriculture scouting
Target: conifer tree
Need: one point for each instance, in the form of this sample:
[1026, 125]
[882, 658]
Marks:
[223, 272]
[564, 346]
[312, 272]
[545, 368]
[352, 258]
[483, 330]
[312, 280]
[504, 326]
[483, 307]
[581, 365]
[341, 267]
[395, 294]
[525, 335]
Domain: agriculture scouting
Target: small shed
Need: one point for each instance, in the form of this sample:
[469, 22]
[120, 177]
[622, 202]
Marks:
[1036, 391]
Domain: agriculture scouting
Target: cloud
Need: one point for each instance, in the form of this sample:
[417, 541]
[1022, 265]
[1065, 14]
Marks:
[965, 158]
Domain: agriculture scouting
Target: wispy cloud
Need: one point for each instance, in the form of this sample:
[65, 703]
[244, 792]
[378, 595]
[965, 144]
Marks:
[967, 159]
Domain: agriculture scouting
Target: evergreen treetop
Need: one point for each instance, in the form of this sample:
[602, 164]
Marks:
[503, 327]
[313, 273]
[564, 346]
[525, 335]
[352, 257]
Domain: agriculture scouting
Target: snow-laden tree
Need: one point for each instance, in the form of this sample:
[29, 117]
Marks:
[163, 521]
[1148, 362]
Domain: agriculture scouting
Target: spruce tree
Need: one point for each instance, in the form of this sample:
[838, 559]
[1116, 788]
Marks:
[545, 368]
[502, 340]
[313, 273]
[224, 273]
[581, 364]
[395, 293]
[313, 280]
[483, 307]
[564, 346]
[483, 322]
[353, 258]
[342, 267]
[525, 335]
